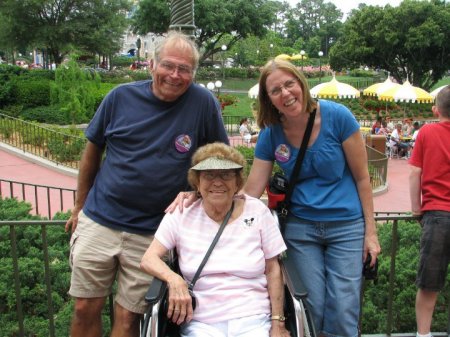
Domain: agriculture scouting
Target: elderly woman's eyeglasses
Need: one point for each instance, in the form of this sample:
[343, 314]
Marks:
[171, 67]
[223, 175]
[289, 84]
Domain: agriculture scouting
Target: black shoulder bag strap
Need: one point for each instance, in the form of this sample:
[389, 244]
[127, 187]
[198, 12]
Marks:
[211, 247]
[284, 207]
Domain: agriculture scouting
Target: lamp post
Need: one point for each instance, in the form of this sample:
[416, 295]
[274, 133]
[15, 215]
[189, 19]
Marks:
[320, 66]
[224, 48]
[218, 85]
[271, 50]
[302, 53]
[210, 86]
[138, 46]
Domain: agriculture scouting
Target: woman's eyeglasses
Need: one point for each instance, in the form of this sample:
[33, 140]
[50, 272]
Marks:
[289, 84]
[223, 175]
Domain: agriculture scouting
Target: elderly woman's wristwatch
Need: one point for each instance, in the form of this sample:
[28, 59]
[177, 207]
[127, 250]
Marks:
[280, 318]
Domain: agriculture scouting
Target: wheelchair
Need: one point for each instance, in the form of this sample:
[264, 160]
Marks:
[299, 319]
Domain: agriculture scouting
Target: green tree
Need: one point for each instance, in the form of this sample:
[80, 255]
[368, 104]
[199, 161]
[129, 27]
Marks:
[213, 18]
[73, 91]
[409, 41]
[59, 26]
[316, 23]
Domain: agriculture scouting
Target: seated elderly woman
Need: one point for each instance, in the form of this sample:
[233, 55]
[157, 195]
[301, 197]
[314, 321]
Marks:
[240, 289]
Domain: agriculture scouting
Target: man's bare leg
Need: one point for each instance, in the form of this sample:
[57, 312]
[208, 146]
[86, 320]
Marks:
[87, 317]
[126, 323]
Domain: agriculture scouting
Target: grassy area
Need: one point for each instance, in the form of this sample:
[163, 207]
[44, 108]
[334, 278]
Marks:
[241, 108]
[245, 85]
[444, 81]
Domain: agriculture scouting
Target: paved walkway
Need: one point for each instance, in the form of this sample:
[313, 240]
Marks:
[19, 167]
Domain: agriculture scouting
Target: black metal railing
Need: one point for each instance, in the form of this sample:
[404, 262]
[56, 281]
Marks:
[61, 148]
[381, 218]
[45, 200]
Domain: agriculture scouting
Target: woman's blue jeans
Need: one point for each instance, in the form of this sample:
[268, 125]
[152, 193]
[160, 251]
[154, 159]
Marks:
[329, 257]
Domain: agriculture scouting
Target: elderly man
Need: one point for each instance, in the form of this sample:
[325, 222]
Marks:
[148, 131]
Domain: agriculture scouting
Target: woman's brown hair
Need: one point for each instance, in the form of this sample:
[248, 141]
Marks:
[267, 113]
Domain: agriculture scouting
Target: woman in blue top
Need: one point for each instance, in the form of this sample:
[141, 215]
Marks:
[330, 229]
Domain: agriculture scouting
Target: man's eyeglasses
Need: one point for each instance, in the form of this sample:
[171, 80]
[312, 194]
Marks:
[170, 67]
[289, 84]
[224, 175]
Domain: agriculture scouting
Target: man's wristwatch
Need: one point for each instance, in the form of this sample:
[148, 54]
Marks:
[280, 318]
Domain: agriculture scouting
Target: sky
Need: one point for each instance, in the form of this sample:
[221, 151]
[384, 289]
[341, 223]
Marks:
[347, 5]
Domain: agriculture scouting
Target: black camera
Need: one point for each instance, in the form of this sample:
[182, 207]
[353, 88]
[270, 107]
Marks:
[370, 272]
[278, 184]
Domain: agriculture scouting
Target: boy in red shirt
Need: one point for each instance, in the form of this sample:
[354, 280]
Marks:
[429, 185]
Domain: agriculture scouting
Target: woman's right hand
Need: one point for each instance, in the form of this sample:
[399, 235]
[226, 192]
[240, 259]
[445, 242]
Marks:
[180, 302]
[183, 199]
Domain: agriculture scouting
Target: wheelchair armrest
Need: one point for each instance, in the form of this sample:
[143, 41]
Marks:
[156, 291]
[292, 279]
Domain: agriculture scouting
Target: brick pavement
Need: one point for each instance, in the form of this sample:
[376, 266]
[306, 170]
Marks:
[14, 167]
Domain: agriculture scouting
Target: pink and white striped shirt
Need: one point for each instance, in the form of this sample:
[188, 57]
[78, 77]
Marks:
[232, 283]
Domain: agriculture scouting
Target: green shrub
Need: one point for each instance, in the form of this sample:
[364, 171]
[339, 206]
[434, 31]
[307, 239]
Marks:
[31, 93]
[123, 61]
[64, 150]
[6, 94]
[249, 154]
[12, 110]
[45, 114]
[72, 91]
[116, 76]
[5, 131]
[99, 94]
[38, 75]
[376, 295]
[34, 136]
[360, 73]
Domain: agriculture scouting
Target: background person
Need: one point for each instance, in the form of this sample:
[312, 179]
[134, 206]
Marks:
[429, 184]
[397, 140]
[383, 130]
[407, 128]
[416, 129]
[243, 269]
[246, 133]
[150, 130]
[376, 126]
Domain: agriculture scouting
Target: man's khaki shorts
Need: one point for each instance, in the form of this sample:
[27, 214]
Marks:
[99, 255]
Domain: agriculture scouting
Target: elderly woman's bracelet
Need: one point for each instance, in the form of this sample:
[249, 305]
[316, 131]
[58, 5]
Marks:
[280, 318]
